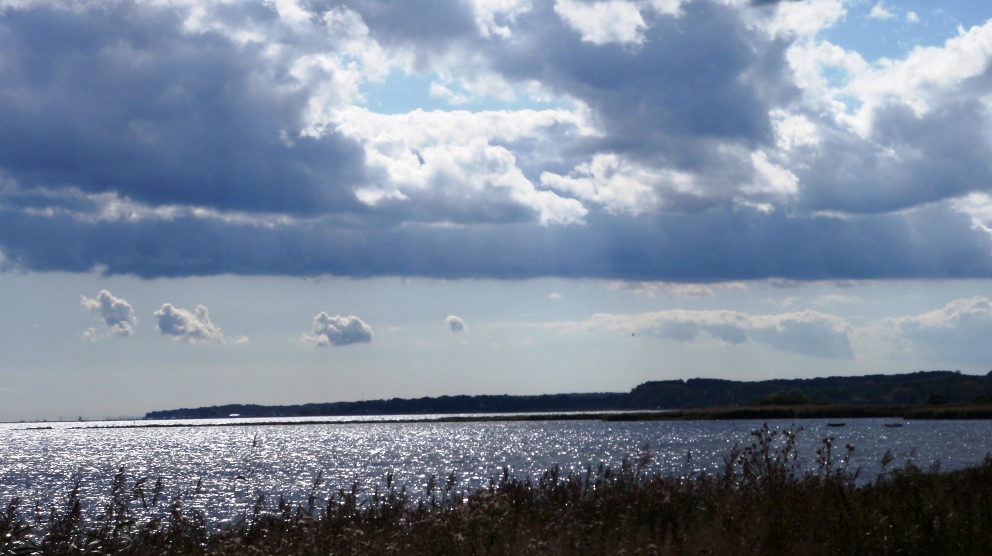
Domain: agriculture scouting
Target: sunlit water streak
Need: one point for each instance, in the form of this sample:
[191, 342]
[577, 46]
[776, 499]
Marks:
[41, 465]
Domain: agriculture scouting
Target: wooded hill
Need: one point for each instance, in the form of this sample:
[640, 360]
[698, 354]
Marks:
[912, 388]
[915, 388]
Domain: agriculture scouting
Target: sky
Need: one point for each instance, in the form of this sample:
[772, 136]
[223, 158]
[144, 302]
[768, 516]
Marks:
[289, 201]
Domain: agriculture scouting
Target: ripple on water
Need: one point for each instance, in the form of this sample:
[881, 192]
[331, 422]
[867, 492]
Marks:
[41, 465]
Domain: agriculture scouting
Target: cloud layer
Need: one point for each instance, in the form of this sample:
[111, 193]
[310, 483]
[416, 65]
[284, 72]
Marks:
[658, 141]
[960, 331]
[808, 332]
[337, 331]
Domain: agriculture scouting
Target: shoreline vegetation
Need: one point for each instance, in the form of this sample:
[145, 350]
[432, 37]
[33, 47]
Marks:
[913, 396]
[766, 500]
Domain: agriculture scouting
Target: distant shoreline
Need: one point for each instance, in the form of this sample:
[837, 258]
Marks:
[893, 393]
[905, 412]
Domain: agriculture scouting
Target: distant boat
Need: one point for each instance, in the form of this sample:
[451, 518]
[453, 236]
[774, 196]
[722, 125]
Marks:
[892, 425]
[835, 424]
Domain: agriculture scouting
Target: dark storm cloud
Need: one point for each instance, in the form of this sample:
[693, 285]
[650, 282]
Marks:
[696, 81]
[716, 245]
[908, 160]
[693, 95]
[122, 99]
[422, 23]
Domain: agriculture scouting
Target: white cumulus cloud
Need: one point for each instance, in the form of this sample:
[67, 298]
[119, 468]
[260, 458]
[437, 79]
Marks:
[880, 11]
[806, 17]
[494, 16]
[116, 313]
[338, 331]
[191, 327]
[457, 324]
[603, 22]
[455, 162]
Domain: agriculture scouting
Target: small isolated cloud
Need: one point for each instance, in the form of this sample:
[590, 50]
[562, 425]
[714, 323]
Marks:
[554, 295]
[116, 313]
[191, 327]
[438, 90]
[808, 332]
[457, 324]
[879, 11]
[911, 17]
[338, 331]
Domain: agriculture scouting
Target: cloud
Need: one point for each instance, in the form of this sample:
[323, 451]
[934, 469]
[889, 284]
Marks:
[116, 313]
[880, 11]
[902, 134]
[960, 332]
[712, 246]
[663, 141]
[457, 324]
[677, 289]
[620, 185]
[495, 17]
[184, 105]
[455, 166]
[651, 119]
[836, 298]
[338, 331]
[808, 332]
[191, 327]
[603, 22]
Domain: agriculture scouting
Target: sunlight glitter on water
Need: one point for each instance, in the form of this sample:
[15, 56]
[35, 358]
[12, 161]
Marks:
[40, 465]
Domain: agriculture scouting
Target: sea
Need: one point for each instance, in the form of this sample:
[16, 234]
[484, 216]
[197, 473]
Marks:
[223, 466]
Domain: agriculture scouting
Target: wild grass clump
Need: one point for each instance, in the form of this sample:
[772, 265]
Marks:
[765, 500]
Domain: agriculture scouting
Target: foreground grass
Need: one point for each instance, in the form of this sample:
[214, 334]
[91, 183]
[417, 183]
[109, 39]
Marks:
[765, 501]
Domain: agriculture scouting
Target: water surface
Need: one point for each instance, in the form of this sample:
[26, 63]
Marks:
[40, 465]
